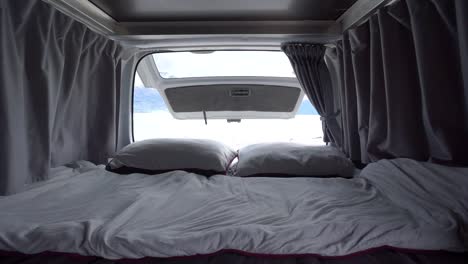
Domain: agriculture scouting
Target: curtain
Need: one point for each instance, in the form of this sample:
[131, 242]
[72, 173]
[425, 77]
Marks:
[308, 61]
[60, 93]
[401, 84]
[461, 8]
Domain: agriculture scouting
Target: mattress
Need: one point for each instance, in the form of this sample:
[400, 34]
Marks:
[380, 256]
[92, 212]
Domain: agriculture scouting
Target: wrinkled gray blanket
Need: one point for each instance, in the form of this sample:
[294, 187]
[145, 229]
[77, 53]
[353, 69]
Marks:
[90, 211]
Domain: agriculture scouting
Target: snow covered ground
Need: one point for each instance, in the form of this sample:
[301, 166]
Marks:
[305, 129]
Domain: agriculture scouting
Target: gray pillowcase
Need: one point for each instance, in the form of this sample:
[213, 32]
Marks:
[289, 159]
[154, 156]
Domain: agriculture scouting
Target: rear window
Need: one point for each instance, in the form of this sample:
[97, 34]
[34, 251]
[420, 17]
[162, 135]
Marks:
[223, 64]
[152, 119]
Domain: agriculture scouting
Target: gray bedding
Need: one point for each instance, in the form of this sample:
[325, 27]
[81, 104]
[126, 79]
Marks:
[90, 211]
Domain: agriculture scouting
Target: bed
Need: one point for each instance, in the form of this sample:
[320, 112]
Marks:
[394, 209]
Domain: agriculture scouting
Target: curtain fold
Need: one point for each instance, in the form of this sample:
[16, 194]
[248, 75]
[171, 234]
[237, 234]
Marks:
[308, 61]
[401, 84]
[461, 7]
[60, 93]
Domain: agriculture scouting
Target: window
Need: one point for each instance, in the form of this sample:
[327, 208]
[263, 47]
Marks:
[152, 119]
[223, 64]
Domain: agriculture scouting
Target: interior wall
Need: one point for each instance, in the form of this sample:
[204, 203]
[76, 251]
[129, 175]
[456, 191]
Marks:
[64, 93]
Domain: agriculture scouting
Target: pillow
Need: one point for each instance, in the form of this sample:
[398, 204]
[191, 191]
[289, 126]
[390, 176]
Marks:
[289, 159]
[154, 156]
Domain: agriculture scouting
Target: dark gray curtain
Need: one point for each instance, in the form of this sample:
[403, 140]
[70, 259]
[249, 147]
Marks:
[401, 84]
[60, 93]
[461, 8]
[308, 61]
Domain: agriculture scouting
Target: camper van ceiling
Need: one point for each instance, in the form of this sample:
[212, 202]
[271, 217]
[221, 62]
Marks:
[181, 24]
[222, 10]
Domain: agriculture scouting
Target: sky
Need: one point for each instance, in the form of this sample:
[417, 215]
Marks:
[303, 129]
[223, 63]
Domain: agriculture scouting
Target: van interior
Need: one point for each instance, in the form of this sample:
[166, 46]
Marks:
[234, 131]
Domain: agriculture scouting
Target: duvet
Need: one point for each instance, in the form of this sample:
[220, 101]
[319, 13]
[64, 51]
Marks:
[90, 211]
